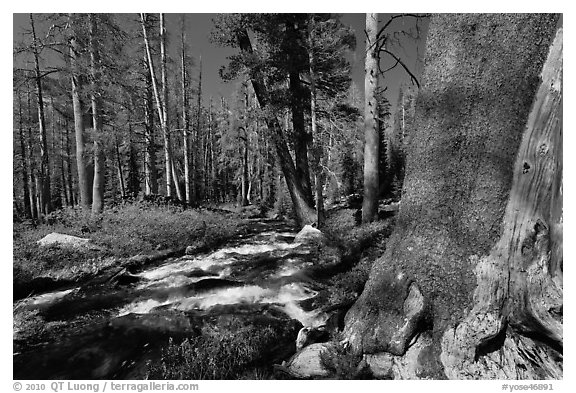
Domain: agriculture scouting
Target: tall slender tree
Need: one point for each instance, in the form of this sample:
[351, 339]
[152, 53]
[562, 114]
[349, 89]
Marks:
[371, 131]
[151, 181]
[99, 158]
[197, 135]
[160, 99]
[185, 118]
[44, 173]
[26, 189]
[82, 159]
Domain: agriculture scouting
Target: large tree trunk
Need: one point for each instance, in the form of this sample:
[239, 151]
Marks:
[44, 174]
[99, 159]
[304, 212]
[475, 261]
[301, 138]
[371, 132]
[84, 184]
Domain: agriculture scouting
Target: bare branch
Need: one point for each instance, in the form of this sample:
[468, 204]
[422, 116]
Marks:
[417, 16]
[386, 70]
[412, 76]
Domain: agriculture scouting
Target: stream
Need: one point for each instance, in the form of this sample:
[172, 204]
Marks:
[112, 326]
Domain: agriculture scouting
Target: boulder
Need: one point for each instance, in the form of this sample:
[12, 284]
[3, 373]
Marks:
[64, 240]
[310, 335]
[307, 364]
[309, 234]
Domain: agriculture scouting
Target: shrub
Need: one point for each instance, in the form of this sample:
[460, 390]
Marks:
[343, 363]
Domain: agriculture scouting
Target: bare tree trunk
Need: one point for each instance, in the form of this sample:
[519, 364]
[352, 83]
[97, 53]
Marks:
[371, 132]
[84, 184]
[31, 163]
[244, 139]
[212, 162]
[119, 168]
[472, 273]
[133, 186]
[165, 122]
[317, 148]
[160, 105]
[175, 178]
[57, 167]
[25, 188]
[185, 120]
[197, 136]
[304, 212]
[65, 197]
[151, 182]
[69, 166]
[44, 174]
[99, 159]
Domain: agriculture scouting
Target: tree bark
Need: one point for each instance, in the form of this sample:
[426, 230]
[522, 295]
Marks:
[371, 132]
[472, 272]
[305, 214]
[99, 159]
[84, 184]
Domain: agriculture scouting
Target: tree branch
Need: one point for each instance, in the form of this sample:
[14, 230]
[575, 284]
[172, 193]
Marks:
[417, 16]
[414, 79]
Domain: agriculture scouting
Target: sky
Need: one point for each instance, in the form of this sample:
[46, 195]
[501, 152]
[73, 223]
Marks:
[199, 25]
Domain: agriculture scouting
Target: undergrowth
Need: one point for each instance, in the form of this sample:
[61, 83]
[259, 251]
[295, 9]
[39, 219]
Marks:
[343, 363]
[360, 245]
[232, 352]
[120, 232]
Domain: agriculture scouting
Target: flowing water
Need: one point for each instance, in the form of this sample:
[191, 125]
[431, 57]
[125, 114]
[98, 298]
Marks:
[112, 323]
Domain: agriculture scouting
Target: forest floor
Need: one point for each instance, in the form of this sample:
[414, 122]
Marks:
[130, 276]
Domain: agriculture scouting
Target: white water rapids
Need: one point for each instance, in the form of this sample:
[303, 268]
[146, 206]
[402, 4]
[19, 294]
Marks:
[221, 265]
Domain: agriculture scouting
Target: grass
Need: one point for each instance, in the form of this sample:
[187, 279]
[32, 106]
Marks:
[360, 246]
[121, 232]
[233, 351]
[29, 326]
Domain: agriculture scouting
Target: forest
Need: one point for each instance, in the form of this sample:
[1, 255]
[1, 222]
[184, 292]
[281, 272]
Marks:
[295, 217]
